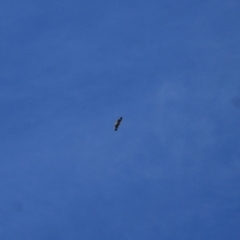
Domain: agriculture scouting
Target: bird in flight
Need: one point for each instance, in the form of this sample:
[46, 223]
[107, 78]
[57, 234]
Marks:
[118, 123]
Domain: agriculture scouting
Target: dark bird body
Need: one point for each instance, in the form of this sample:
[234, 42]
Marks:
[118, 123]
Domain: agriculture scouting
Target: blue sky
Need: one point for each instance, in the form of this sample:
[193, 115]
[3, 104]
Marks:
[69, 70]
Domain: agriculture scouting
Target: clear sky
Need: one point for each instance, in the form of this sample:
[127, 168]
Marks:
[70, 69]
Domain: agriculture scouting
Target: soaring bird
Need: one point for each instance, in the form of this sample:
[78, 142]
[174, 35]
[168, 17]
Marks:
[118, 123]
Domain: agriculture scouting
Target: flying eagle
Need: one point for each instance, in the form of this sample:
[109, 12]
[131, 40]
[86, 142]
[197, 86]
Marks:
[118, 123]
